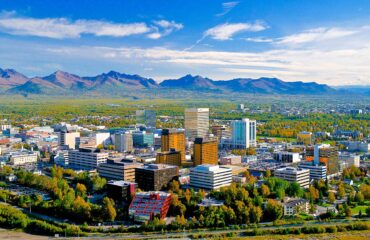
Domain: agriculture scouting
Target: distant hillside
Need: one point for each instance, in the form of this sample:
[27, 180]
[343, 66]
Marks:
[115, 83]
[248, 85]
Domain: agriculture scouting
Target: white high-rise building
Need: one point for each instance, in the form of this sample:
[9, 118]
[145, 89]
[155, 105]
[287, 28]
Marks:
[197, 122]
[244, 133]
[102, 138]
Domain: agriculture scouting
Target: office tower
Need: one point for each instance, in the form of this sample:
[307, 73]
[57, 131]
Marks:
[147, 205]
[87, 158]
[69, 139]
[119, 169]
[173, 139]
[210, 177]
[154, 177]
[143, 139]
[205, 151]
[304, 138]
[123, 142]
[324, 154]
[171, 157]
[290, 174]
[196, 122]
[243, 133]
[146, 117]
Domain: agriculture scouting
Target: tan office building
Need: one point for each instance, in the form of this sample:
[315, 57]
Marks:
[196, 122]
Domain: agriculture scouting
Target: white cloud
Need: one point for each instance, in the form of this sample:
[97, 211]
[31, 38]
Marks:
[315, 35]
[164, 28]
[60, 28]
[227, 7]
[227, 30]
[259, 40]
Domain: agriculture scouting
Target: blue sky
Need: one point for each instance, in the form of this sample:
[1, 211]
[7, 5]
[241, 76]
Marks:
[316, 40]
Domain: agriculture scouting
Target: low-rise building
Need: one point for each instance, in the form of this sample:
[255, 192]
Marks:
[290, 174]
[119, 169]
[147, 205]
[231, 160]
[295, 206]
[210, 177]
[121, 190]
[290, 157]
[23, 157]
[87, 158]
[154, 177]
[317, 172]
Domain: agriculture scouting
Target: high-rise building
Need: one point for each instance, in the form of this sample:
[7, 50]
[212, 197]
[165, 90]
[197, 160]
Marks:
[244, 133]
[154, 177]
[324, 154]
[123, 142]
[102, 138]
[210, 177]
[143, 139]
[87, 158]
[196, 122]
[146, 117]
[69, 139]
[173, 139]
[290, 174]
[171, 157]
[205, 151]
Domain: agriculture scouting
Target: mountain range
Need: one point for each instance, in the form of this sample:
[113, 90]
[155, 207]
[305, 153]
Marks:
[112, 82]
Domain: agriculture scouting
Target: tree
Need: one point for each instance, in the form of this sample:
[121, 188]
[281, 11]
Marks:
[294, 190]
[255, 214]
[273, 210]
[348, 211]
[368, 211]
[331, 197]
[108, 210]
[313, 194]
[81, 190]
[341, 191]
[365, 190]
[359, 197]
[268, 173]
[265, 190]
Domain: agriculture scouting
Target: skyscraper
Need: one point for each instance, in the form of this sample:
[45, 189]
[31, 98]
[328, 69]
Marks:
[196, 122]
[123, 142]
[173, 139]
[243, 133]
[70, 139]
[147, 117]
[205, 151]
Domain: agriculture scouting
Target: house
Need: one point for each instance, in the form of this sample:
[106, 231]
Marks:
[294, 206]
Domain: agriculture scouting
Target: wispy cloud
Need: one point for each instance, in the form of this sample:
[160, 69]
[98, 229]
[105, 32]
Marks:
[227, 7]
[315, 35]
[227, 30]
[164, 28]
[259, 40]
[61, 28]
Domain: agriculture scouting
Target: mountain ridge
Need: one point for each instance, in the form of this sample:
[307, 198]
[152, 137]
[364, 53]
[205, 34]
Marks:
[61, 82]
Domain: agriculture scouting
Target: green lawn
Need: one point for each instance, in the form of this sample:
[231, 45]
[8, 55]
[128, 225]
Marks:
[356, 209]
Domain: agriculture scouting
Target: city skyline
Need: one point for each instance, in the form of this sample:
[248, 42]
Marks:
[325, 42]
